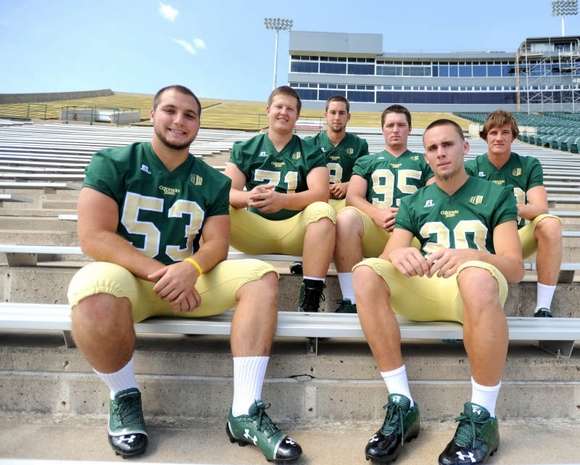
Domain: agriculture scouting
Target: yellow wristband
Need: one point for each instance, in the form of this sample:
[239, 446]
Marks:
[194, 263]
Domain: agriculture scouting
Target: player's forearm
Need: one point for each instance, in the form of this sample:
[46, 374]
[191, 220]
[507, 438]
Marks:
[108, 246]
[529, 211]
[239, 198]
[211, 253]
[510, 267]
[298, 201]
[361, 204]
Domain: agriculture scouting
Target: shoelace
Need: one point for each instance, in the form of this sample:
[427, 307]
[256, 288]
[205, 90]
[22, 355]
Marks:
[394, 421]
[264, 422]
[467, 430]
[128, 410]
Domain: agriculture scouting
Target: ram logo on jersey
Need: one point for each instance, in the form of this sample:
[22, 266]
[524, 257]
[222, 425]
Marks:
[296, 155]
[415, 157]
[476, 199]
[517, 172]
[349, 151]
[196, 180]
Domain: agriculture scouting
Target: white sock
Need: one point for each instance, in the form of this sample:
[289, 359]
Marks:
[345, 281]
[486, 396]
[545, 296]
[314, 278]
[119, 380]
[397, 382]
[249, 375]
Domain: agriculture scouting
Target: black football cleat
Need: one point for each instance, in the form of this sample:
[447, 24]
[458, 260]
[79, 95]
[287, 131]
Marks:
[127, 434]
[402, 424]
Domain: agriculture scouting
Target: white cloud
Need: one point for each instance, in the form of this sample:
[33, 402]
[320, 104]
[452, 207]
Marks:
[199, 43]
[189, 48]
[168, 12]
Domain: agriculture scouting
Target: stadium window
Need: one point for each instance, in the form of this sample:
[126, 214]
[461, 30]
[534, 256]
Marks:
[307, 94]
[494, 70]
[390, 70]
[465, 70]
[359, 96]
[333, 68]
[453, 69]
[303, 67]
[326, 94]
[444, 70]
[361, 69]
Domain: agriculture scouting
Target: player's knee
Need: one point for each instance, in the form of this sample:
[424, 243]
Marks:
[479, 289]
[268, 287]
[348, 223]
[367, 283]
[548, 229]
[101, 313]
[320, 212]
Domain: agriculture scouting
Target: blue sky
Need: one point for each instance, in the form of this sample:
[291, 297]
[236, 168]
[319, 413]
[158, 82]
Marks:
[220, 48]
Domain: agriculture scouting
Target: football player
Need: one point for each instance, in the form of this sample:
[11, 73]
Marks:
[539, 231]
[378, 184]
[341, 148]
[469, 252]
[279, 196]
[143, 210]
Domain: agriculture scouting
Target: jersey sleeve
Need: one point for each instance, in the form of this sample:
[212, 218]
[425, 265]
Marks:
[536, 174]
[404, 218]
[364, 148]
[471, 167]
[237, 158]
[221, 200]
[103, 175]
[505, 208]
[361, 166]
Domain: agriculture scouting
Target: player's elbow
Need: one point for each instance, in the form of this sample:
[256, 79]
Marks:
[516, 271]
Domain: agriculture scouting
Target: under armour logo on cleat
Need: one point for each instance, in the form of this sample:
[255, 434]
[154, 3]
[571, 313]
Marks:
[247, 435]
[129, 439]
[290, 441]
[375, 438]
[465, 457]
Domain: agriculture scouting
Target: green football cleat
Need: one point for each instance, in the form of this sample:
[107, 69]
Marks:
[127, 434]
[345, 306]
[258, 429]
[402, 424]
[476, 438]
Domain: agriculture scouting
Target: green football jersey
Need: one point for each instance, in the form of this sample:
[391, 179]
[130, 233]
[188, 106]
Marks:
[262, 164]
[519, 174]
[463, 220]
[161, 212]
[340, 158]
[391, 178]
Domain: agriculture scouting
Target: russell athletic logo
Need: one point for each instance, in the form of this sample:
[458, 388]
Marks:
[428, 204]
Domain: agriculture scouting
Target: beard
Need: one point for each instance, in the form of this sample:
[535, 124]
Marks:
[171, 145]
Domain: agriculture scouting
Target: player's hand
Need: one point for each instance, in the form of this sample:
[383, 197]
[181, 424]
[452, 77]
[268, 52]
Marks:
[338, 190]
[176, 284]
[445, 262]
[266, 199]
[384, 218]
[409, 261]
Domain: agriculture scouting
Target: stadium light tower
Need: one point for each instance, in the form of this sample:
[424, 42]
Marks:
[277, 24]
[564, 8]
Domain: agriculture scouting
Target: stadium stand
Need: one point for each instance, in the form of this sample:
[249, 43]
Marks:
[40, 252]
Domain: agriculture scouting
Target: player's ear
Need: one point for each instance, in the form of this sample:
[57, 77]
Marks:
[466, 147]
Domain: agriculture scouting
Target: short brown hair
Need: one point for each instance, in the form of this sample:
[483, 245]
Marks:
[498, 119]
[289, 92]
[338, 98]
[179, 88]
[446, 122]
[396, 109]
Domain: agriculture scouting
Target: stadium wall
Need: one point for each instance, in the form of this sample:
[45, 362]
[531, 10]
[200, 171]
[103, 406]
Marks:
[53, 96]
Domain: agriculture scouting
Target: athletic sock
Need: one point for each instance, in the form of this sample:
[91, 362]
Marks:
[119, 380]
[249, 375]
[544, 296]
[313, 278]
[346, 287]
[486, 396]
[397, 382]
